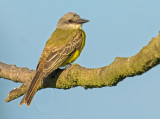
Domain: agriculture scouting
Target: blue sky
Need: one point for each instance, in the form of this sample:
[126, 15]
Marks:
[117, 28]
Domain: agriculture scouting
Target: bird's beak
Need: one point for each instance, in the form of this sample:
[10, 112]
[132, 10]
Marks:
[81, 21]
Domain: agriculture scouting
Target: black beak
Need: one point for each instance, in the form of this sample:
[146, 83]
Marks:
[81, 21]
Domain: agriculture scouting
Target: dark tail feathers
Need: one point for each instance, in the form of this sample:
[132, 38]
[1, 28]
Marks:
[32, 89]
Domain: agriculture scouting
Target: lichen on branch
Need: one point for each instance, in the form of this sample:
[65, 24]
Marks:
[76, 75]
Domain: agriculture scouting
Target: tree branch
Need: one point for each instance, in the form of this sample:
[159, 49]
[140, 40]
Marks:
[76, 75]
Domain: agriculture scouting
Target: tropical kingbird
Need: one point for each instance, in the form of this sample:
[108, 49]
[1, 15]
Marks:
[62, 48]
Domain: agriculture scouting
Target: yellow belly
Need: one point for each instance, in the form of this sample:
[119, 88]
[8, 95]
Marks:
[76, 54]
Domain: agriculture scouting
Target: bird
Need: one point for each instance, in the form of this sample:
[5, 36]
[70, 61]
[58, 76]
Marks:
[62, 48]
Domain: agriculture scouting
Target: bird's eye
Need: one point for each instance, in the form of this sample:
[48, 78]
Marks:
[69, 20]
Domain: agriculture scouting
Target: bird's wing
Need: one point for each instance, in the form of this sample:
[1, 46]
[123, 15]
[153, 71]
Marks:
[58, 56]
[58, 40]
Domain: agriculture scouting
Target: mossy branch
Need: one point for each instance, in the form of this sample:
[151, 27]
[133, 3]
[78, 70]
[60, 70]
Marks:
[77, 75]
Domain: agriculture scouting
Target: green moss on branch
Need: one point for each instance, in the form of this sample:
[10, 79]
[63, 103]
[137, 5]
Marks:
[76, 75]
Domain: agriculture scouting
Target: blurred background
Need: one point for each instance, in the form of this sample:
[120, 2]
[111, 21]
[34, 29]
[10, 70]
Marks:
[117, 28]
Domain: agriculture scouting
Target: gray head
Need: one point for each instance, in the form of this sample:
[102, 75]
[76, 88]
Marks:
[71, 21]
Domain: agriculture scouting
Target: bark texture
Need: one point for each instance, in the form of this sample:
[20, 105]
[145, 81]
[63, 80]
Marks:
[77, 75]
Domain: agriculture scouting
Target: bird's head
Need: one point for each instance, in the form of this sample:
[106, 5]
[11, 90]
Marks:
[71, 21]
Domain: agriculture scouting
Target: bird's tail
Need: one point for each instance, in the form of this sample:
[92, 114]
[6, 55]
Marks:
[32, 89]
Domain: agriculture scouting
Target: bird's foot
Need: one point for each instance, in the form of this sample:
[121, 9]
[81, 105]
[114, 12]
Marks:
[68, 65]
